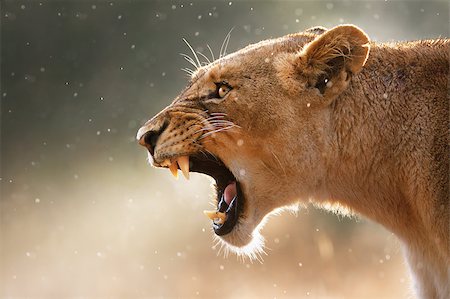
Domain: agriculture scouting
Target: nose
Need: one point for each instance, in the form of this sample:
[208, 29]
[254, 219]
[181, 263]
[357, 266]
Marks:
[148, 136]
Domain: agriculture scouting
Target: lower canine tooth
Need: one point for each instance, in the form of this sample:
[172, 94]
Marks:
[217, 217]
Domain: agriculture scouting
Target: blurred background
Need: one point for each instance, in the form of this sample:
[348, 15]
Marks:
[82, 213]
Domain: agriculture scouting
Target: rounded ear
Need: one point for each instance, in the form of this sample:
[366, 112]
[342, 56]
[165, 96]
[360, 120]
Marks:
[316, 30]
[329, 61]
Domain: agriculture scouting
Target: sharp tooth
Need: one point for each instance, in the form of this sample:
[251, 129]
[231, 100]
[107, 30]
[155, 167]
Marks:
[174, 169]
[217, 217]
[183, 161]
[218, 221]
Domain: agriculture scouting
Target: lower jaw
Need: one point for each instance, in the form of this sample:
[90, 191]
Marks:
[234, 214]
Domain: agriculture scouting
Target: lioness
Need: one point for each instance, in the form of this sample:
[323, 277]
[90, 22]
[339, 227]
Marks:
[324, 115]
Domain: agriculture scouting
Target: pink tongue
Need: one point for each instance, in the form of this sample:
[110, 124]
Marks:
[230, 192]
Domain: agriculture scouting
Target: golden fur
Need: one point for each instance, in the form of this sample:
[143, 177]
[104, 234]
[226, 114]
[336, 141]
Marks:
[328, 115]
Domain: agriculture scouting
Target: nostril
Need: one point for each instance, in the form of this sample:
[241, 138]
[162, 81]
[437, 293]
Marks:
[151, 138]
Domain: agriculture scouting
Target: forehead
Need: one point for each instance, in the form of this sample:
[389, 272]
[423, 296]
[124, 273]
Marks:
[253, 56]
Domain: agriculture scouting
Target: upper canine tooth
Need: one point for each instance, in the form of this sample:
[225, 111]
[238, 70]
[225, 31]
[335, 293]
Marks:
[174, 169]
[183, 161]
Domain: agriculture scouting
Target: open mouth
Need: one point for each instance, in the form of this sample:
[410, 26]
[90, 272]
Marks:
[230, 199]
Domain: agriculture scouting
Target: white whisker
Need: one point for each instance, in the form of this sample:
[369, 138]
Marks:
[212, 118]
[216, 131]
[189, 59]
[188, 71]
[204, 56]
[223, 48]
[210, 51]
[193, 52]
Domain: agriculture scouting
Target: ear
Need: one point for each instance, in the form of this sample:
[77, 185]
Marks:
[317, 30]
[329, 61]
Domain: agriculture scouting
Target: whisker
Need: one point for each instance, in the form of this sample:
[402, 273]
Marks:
[193, 52]
[189, 59]
[218, 113]
[214, 156]
[216, 131]
[223, 48]
[188, 71]
[204, 56]
[212, 118]
[210, 51]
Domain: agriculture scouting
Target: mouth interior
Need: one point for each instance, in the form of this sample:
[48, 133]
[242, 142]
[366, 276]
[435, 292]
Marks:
[229, 195]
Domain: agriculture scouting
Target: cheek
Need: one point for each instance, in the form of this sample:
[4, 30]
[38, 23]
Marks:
[252, 114]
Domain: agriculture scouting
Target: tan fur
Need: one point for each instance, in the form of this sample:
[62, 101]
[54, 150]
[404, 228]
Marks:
[324, 114]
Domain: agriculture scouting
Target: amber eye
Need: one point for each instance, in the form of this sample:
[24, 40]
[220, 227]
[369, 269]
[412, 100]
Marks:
[222, 90]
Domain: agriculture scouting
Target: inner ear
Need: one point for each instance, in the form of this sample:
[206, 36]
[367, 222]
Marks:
[335, 66]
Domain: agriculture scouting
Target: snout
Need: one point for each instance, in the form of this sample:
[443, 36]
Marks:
[149, 134]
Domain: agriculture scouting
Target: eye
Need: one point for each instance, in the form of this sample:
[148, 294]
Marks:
[222, 89]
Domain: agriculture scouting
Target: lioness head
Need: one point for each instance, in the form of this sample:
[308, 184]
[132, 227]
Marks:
[257, 121]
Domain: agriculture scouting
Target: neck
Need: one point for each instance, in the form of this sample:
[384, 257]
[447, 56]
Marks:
[389, 162]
